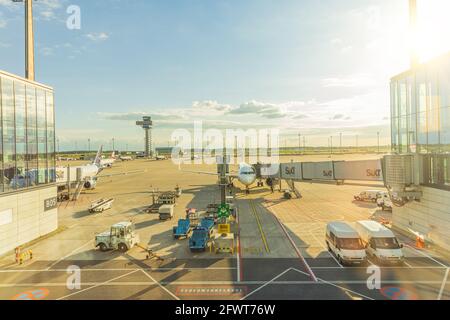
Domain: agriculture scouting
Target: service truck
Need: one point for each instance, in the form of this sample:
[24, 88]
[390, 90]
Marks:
[121, 236]
[166, 212]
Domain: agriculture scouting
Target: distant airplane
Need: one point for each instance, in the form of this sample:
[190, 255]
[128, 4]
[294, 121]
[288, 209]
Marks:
[126, 158]
[108, 163]
[160, 158]
[88, 173]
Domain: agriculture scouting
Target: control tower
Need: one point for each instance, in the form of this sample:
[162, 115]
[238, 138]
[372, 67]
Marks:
[147, 125]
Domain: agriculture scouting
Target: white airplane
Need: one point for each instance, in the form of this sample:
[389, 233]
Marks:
[245, 175]
[126, 158]
[88, 173]
[108, 163]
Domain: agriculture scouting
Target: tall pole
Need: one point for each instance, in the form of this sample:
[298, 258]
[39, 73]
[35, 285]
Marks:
[414, 55]
[340, 141]
[378, 138]
[299, 143]
[89, 146]
[29, 41]
[331, 145]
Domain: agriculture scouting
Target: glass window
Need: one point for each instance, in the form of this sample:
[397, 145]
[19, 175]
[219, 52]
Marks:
[422, 132]
[433, 117]
[9, 138]
[21, 134]
[445, 129]
[42, 137]
[402, 97]
[50, 136]
[32, 152]
[1, 141]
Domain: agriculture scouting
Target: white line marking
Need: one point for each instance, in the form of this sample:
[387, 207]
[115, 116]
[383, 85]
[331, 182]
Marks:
[210, 283]
[311, 273]
[444, 282]
[160, 285]
[426, 255]
[326, 250]
[97, 285]
[121, 269]
[406, 263]
[238, 251]
[68, 255]
[342, 288]
[266, 283]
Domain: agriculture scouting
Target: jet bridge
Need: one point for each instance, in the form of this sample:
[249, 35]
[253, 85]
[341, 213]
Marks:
[398, 173]
[362, 170]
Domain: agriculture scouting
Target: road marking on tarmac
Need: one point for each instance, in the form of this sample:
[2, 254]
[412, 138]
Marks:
[69, 254]
[160, 285]
[444, 282]
[97, 285]
[426, 255]
[263, 236]
[266, 283]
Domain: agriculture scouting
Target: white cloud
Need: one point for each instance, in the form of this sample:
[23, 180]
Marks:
[209, 105]
[266, 110]
[100, 36]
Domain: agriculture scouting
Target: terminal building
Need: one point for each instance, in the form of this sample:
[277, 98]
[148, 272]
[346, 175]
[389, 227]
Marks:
[28, 206]
[420, 126]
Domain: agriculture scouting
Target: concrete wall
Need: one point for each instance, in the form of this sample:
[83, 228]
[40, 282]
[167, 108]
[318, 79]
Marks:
[24, 217]
[430, 216]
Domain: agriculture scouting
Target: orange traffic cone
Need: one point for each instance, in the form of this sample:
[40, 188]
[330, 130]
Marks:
[420, 242]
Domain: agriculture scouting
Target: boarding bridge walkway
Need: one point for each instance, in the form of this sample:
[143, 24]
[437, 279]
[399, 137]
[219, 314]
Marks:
[338, 171]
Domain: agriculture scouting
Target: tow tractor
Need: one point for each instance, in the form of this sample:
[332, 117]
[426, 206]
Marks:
[121, 236]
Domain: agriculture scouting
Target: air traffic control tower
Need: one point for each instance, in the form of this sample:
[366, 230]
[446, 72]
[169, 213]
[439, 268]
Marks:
[147, 125]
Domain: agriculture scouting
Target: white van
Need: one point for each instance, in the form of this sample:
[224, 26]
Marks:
[381, 243]
[344, 242]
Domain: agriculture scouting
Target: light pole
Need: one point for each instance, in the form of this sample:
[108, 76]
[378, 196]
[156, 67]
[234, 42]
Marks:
[89, 146]
[378, 138]
[331, 145]
[299, 143]
[340, 141]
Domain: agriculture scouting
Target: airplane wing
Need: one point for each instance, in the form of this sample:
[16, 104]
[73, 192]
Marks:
[231, 175]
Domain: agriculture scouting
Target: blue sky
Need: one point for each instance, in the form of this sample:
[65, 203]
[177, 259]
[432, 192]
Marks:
[312, 67]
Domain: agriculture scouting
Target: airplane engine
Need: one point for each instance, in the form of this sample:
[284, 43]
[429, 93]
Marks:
[90, 184]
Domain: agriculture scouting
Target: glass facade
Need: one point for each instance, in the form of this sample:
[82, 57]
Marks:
[420, 118]
[27, 134]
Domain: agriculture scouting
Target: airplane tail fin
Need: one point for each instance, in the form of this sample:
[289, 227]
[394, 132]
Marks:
[98, 157]
[113, 155]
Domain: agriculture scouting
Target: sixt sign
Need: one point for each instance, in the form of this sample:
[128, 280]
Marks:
[291, 171]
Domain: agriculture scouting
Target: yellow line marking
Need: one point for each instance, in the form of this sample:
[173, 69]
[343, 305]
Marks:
[263, 237]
